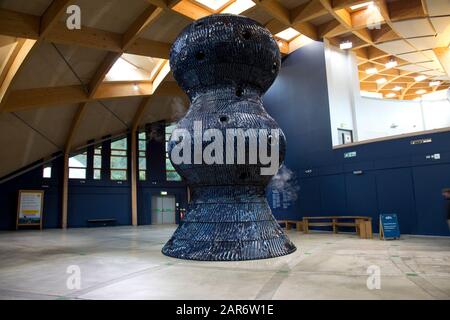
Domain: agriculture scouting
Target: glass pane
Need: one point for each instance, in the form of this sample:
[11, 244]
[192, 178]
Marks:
[142, 175]
[142, 145]
[142, 163]
[97, 174]
[119, 163]
[118, 175]
[78, 161]
[75, 173]
[119, 144]
[47, 172]
[142, 136]
[98, 150]
[118, 153]
[142, 154]
[98, 162]
[173, 176]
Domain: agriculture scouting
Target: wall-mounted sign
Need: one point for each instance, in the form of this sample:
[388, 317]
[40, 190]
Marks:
[351, 154]
[29, 208]
[421, 141]
[389, 228]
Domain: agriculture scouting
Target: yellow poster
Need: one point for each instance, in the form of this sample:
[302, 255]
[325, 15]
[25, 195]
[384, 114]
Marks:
[30, 207]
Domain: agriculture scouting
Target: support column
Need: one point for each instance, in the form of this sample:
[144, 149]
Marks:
[65, 191]
[133, 178]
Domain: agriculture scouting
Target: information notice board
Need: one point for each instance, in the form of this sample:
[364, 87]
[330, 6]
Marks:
[389, 228]
[29, 208]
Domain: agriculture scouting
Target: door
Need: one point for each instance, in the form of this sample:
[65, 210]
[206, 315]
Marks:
[163, 209]
[395, 194]
[430, 204]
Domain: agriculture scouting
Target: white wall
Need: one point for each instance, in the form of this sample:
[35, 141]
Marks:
[378, 118]
[371, 118]
[341, 77]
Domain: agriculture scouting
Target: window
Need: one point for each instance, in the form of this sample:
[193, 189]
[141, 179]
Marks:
[47, 171]
[119, 160]
[77, 166]
[97, 163]
[142, 148]
[171, 174]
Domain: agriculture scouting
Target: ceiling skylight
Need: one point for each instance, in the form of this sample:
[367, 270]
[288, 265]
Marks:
[288, 34]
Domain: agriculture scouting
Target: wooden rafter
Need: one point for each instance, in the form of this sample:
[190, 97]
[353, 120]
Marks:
[26, 99]
[23, 25]
[40, 27]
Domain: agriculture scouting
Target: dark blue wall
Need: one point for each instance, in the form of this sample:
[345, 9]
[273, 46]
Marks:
[396, 176]
[91, 199]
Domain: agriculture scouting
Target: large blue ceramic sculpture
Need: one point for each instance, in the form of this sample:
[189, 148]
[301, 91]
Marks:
[225, 63]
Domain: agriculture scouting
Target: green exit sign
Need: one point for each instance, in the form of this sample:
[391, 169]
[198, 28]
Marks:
[350, 154]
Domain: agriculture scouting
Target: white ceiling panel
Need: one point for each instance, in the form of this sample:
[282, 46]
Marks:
[430, 55]
[414, 57]
[438, 7]
[433, 65]
[434, 73]
[395, 47]
[442, 26]
[413, 28]
[425, 43]
[413, 68]
[45, 68]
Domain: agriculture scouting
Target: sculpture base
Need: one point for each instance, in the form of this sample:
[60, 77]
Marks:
[228, 223]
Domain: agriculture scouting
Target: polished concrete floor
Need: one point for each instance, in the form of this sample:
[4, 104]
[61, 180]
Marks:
[126, 263]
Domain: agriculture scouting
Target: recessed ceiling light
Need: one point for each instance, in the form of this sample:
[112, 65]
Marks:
[371, 70]
[361, 5]
[288, 34]
[346, 45]
[391, 64]
[420, 78]
[214, 4]
[421, 91]
[135, 87]
[381, 80]
[434, 83]
[391, 95]
[397, 88]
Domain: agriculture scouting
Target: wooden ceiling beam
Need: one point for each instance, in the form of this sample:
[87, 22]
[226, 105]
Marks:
[10, 21]
[331, 29]
[308, 11]
[15, 62]
[52, 15]
[341, 4]
[27, 26]
[149, 16]
[26, 99]
[405, 9]
[280, 13]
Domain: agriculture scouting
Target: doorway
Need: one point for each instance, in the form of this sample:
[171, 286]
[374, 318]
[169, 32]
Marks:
[163, 209]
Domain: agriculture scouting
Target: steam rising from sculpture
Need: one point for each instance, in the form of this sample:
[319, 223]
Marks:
[225, 63]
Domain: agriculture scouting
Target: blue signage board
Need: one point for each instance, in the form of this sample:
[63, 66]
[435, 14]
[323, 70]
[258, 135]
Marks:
[389, 228]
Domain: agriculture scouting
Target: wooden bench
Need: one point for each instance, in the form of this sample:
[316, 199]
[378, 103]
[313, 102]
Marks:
[362, 225]
[101, 222]
[289, 223]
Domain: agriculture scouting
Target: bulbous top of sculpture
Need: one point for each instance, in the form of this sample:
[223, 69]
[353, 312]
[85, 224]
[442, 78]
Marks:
[225, 50]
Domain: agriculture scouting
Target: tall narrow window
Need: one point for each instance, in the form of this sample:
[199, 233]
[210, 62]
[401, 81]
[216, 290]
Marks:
[171, 174]
[77, 166]
[142, 148]
[97, 163]
[47, 171]
[119, 160]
